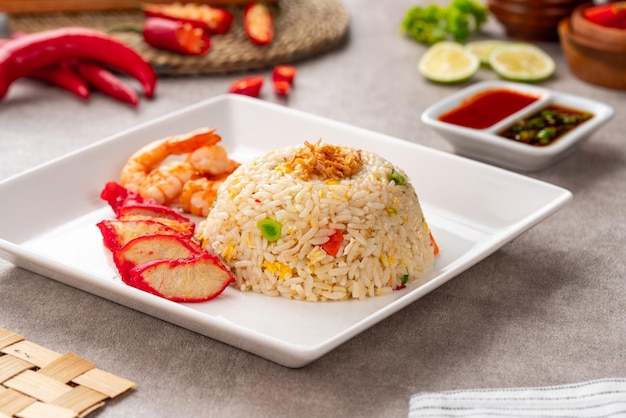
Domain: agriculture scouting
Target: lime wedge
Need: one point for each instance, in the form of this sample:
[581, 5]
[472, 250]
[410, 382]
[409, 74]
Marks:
[448, 62]
[483, 49]
[521, 62]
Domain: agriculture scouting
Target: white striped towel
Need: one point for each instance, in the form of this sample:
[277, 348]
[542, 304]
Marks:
[597, 398]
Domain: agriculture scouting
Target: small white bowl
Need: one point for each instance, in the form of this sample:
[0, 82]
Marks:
[486, 145]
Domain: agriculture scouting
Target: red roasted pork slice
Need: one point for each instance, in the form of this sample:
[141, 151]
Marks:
[195, 279]
[152, 247]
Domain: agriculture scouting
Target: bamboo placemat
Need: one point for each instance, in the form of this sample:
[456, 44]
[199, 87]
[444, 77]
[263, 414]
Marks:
[303, 28]
[36, 382]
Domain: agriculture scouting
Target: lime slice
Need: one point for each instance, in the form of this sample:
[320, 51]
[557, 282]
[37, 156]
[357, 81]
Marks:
[483, 49]
[521, 62]
[448, 62]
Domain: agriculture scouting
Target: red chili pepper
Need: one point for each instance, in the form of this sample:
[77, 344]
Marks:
[30, 53]
[248, 86]
[106, 82]
[284, 73]
[63, 76]
[175, 36]
[258, 23]
[58, 75]
[609, 15]
[333, 244]
[402, 285]
[282, 88]
[282, 77]
[214, 20]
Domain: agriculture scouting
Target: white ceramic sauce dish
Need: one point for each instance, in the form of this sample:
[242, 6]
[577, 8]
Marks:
[487, 145]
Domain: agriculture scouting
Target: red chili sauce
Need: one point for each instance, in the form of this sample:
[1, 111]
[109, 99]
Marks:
[486, 108]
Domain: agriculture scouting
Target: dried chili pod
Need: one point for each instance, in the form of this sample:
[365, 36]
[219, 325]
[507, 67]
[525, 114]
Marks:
[258, 23]
[106, 82]
[175, 36]
[214, 20]
[33, 52]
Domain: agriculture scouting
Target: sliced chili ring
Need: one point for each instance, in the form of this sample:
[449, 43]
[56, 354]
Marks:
[258, 23]
[173, 36]
[215, 20]
[248, 86]
[282, 77]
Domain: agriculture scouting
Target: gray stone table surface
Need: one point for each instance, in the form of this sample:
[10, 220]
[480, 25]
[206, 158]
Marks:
[547, 308]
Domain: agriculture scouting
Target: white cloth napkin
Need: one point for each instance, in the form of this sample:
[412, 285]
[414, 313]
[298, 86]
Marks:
[597, 398]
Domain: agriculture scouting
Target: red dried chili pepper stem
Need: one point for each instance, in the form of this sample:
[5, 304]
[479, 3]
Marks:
[30, 53]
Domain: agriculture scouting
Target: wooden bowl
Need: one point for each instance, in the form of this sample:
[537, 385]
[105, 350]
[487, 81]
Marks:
[532, 20]
[593, 31]
[595, 61]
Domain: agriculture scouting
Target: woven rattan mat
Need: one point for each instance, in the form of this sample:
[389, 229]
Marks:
[36, 382]
[303, 28]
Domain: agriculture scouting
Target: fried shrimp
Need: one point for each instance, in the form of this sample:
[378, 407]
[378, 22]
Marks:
[212, 160]
[198, 195]
[165, 183]
[142, 173]
[214, 166]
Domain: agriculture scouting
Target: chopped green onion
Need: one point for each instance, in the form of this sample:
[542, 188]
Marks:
[570, 119]
[396, 178]
[405, 279]
[545, 135]
[270, 229]
[537, 122]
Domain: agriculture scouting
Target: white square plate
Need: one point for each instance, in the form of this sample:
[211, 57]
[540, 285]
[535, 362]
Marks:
[473, 209]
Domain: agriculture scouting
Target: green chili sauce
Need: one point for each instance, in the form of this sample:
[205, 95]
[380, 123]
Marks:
[546, 126]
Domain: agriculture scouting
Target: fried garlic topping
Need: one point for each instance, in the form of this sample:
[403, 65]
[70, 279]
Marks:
[328, 162]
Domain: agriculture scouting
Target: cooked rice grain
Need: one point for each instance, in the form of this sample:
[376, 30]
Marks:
[385, 235]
